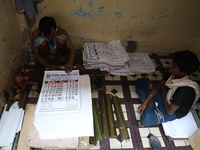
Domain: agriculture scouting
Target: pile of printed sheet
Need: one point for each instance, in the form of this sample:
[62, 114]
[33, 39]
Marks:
[113, 58]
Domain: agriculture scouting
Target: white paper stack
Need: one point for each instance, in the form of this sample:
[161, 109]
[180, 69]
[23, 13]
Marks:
[141, 63]
[114, 59]
[59, 93]
[111, 57]
[66, 117]
[10, 124]
[181, 128]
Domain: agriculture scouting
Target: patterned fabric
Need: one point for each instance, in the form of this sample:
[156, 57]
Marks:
[52, 44]
[29, 6]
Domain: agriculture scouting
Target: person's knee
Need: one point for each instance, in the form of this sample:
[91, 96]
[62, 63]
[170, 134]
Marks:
[43, 48]
[145, 119]
[43, 45]
[61, 41]
[138, 82]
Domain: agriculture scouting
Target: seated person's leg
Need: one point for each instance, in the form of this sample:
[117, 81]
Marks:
[150, 116]
[63, 52]
[143, 88]
[155, 115]
[42, 45]
[44, 51]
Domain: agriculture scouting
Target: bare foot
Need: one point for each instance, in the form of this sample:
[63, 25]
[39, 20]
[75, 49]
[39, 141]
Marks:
[140, 124]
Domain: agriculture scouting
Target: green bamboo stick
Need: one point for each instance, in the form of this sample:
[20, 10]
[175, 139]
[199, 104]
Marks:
[104, 118]
[120, 119]
[112, 129]
[97, 125]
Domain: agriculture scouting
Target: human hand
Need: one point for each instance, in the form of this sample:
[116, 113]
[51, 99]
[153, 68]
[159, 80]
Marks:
[141, 108]
[68, 68]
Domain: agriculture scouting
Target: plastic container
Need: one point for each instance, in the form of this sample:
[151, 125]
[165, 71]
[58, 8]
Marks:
[19, 80]
[30, 52]
[154, 142]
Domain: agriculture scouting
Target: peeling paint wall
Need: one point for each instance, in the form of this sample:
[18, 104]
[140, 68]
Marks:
[12, 55]
[157, 26]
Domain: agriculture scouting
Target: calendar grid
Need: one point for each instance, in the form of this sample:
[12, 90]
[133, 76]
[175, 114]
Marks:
[59, 93]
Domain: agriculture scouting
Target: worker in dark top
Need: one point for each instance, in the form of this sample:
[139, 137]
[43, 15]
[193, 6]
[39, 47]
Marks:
[175, 94]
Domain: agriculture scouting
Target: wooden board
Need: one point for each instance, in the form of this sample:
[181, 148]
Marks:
[83, 141]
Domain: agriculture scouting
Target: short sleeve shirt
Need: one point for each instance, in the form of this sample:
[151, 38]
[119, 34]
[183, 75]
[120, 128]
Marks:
[183, 96]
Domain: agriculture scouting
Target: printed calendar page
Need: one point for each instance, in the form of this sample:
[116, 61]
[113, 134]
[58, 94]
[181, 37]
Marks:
[59, 93]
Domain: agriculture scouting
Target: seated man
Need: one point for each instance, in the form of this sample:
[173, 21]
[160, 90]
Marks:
[175, 93]
[50, 42]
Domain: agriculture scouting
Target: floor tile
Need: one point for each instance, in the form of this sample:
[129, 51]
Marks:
[114, 143]
[109, 88]
[186, 142]
[130, 78]
[179, 143]
[154, 62]
[34, 87]
[120, 94]
[93, 147]
[127, 144]
[108, 78]
[161, 141]
[129, 132]
[145, 142]
[118, 88]
[144, 132]
[134, 95]
[112, 78]
[166, 62]
[125, 116]
[33, 93]
[137, 115]
[132, 88]
[134, 77]
[155, 131]
[123, 106]
[116, 78]
[135, 106]
[94, 94]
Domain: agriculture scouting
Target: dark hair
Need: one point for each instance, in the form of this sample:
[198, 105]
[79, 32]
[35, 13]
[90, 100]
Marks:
[187, 61]
[45, 25]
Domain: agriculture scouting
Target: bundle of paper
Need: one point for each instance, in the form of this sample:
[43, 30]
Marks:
[106, 57]
[10, 124]
[59, 93]
[64, 104]
[114, 59]
[141, 63]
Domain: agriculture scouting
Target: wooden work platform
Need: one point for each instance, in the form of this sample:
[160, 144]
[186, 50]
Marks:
[83, 141]
[29, 136]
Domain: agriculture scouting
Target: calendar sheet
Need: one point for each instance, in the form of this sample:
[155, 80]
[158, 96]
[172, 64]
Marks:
[59, 93]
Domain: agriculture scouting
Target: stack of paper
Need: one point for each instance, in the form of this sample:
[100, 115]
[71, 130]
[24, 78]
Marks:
[141, 63]
[181, 128]
[59, 112]
[114, 59]
[10, 124]
[110, 57]
[59, 93]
